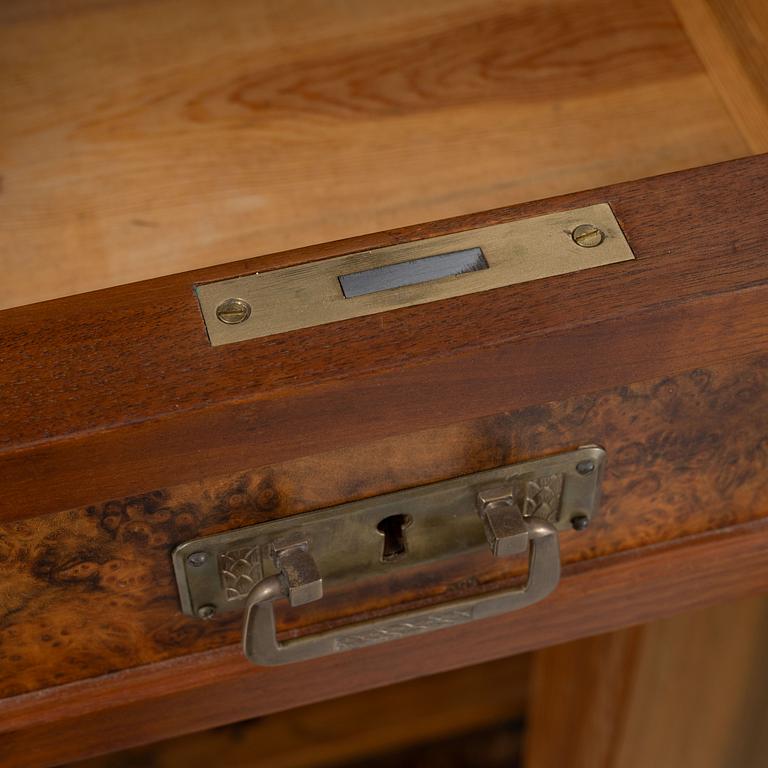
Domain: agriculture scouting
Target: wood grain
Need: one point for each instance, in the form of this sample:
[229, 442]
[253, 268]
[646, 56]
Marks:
[353, 727]
[115, 394]
[270, 128]
[731, 38]
[205, 690]
[91, 591]
[579, 697]
[683, 691]
[141, 139]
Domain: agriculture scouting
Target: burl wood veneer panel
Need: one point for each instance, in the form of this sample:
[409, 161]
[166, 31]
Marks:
[145, 138]
[91, 590]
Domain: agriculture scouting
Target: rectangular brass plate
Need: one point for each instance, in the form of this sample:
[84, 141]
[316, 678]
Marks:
[312, 294]
[347, 546]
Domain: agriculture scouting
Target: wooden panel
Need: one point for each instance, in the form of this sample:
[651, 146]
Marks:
[496, 746]
[731, 37]
[353, 727]
[205, 690]
[115, 394]
[589, 682]
[269, 129]
[91, 591]
[141, 139]
[684, 691]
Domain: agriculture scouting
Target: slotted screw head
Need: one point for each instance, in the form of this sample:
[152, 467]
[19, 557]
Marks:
[587, 235]
[206, 611]
[233, 311]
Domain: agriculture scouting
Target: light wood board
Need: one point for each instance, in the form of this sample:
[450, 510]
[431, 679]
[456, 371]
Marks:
[145, 138]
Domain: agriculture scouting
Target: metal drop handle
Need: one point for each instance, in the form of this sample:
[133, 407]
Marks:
[298, 578]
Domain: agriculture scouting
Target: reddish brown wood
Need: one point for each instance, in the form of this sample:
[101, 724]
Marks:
[203, 690]
[357, 729]
[116, 405]
[91, 591]
[117, 392]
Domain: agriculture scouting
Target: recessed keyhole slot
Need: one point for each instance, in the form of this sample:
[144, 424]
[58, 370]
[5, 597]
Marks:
[392, 528]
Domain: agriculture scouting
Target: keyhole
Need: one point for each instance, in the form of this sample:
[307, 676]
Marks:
[393, 530]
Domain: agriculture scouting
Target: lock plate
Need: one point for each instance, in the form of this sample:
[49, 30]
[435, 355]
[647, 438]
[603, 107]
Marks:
[406, 274]
[360, 539]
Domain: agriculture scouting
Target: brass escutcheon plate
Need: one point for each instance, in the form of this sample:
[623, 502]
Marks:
[347, 541]
[384, 279]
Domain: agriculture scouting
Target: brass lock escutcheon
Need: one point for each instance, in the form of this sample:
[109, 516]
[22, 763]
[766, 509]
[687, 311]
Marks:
[513, 509]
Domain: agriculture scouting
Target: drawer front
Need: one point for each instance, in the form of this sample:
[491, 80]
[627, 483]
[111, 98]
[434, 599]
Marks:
[92, 590]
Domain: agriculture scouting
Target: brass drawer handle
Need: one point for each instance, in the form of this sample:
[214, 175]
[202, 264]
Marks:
[299, 580]
[513, 509]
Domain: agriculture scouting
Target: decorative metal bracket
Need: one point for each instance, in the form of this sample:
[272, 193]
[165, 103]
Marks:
[514, 509]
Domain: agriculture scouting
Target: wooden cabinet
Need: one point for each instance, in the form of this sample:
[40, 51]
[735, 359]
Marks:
[142, 140]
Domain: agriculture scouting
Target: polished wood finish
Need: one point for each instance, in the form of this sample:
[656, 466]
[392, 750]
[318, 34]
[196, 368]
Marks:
[686, 691]
[119, 393]
[91, 591]
[205, 690]
[141, 139]
[357, 727]
[265, 132]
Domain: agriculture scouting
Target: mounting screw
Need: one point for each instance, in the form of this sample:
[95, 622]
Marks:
[586, 467]
[579, 522]
[196, 559]
[206, 611]
[587, 235]
[233, 311]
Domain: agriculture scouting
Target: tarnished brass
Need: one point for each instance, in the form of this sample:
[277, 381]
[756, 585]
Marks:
[403, 275]
[511, 509]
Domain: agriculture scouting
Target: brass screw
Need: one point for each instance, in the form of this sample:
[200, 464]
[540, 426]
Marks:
[587, 235]
[233, 311]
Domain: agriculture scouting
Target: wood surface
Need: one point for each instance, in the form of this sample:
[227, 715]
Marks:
[204, 690]
[145, 138]
[357, 727]
[269, 127]
[114, 394]
[499, 745]
[731, 39]
[687, 691]
[91, 591]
